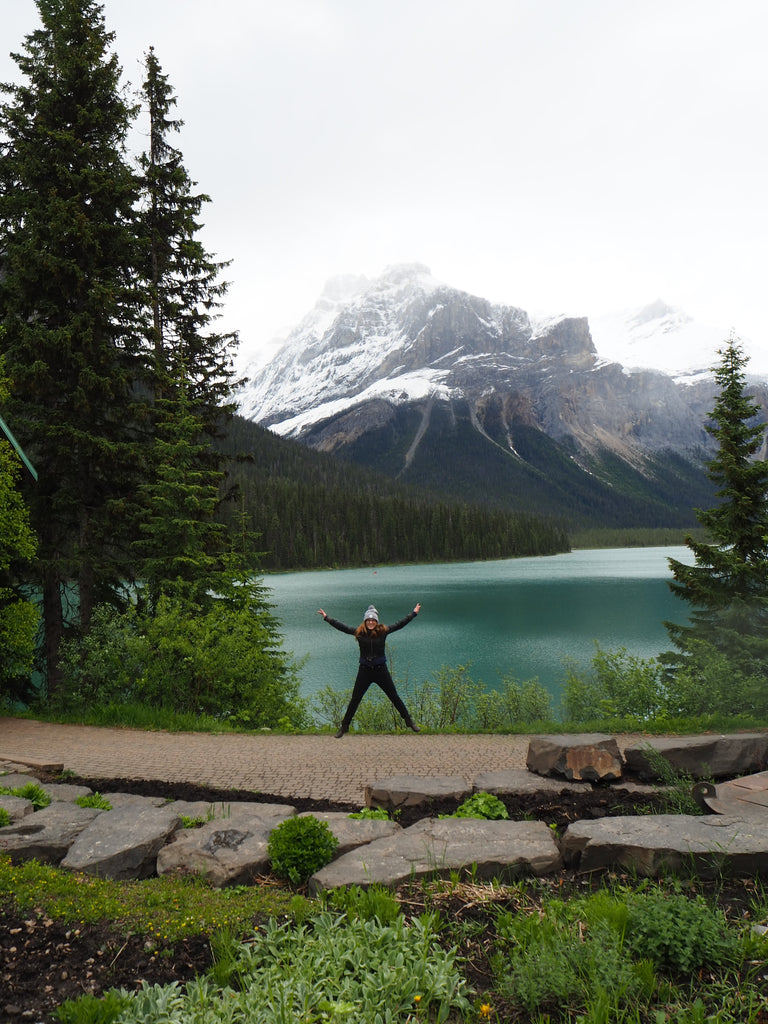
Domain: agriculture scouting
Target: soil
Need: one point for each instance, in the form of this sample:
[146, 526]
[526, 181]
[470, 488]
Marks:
[44, 962]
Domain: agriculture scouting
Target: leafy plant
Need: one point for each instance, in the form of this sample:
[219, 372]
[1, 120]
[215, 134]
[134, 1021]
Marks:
[370, 814]
[90, 1009]
[481, 805]
[5, 818]
[94, 800]
[298, 847]
[373, 903]
[31, 791]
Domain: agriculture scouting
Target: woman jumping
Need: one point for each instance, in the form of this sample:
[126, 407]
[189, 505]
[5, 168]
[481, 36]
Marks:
[371, 636]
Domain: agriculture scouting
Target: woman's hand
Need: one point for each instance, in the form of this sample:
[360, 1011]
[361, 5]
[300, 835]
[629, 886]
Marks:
[321, 612]
[417, 609]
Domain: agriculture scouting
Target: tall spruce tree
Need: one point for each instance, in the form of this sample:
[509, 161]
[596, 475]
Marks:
[184, 280]
[727, 587]
[69, 301]
[192, 377]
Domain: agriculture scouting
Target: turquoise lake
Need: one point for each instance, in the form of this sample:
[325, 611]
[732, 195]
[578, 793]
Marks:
[523, 617]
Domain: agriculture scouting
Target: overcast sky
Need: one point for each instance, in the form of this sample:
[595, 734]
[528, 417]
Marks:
[565, 156]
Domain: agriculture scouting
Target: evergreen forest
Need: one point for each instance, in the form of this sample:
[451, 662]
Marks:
[310, 510]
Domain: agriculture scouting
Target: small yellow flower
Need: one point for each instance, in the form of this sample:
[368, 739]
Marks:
[486, 1010]
[417, 999]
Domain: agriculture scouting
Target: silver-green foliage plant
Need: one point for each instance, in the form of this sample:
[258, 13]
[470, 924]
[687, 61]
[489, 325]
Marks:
[298, 847]
[340, 970]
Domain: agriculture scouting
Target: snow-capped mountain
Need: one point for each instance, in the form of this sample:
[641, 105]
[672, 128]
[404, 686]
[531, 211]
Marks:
[434, 385]
[663, 337]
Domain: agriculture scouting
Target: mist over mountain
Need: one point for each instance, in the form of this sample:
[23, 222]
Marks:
[481, 401]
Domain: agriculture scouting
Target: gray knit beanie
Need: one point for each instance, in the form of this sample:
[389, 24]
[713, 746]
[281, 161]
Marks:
[371, 613]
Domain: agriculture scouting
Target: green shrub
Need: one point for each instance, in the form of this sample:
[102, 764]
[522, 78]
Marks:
[5, 818]
[370, 814]
[222, 659]
[299, 847]
[678, 933]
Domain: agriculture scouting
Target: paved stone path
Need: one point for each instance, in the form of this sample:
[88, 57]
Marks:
[316, 767]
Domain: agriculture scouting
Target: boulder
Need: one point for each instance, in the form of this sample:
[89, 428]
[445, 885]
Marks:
[46, 835]
[412, 791]
[16, 806]
[701, 757]
[661, 844]
[231, 850]
[487, 849]
[353, 832]
[514, 781]
[122, 843]
[588, 757]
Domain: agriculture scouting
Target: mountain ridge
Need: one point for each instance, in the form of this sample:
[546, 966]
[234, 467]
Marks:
[408, 374]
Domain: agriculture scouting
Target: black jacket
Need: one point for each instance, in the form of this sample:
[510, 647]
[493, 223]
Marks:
[371, 645]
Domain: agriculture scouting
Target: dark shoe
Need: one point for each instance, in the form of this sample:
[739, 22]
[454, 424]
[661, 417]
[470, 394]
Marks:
[340, 733]
[412, 725]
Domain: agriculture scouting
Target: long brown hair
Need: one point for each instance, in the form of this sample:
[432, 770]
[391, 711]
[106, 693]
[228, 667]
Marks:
[378, 631]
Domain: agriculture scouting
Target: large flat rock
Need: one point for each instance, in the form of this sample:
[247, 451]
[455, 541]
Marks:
[122, 843]
[519, 781]
[415, 791]
[495, 849]
[701, 757]
[654, 845]
[46, 835]
[230, 850]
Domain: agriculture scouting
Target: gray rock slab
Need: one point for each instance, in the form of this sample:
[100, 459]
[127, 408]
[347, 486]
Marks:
[517, 781]
[231, 850]
[586, 757]
[353, 832]
[223, 811]
[134, 800]
[498, 849]
[65, 791]
[413, 791]
[16, 806]
[122, 843]
[12, 780]
[703, 756]
[660, 844]
[46, 835]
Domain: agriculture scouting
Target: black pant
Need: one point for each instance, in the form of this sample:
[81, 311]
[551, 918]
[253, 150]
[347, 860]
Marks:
[378, 674]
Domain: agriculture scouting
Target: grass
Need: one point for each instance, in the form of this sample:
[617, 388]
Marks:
[162, 909]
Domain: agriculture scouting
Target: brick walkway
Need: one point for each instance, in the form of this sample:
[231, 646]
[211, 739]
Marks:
[317, 767]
